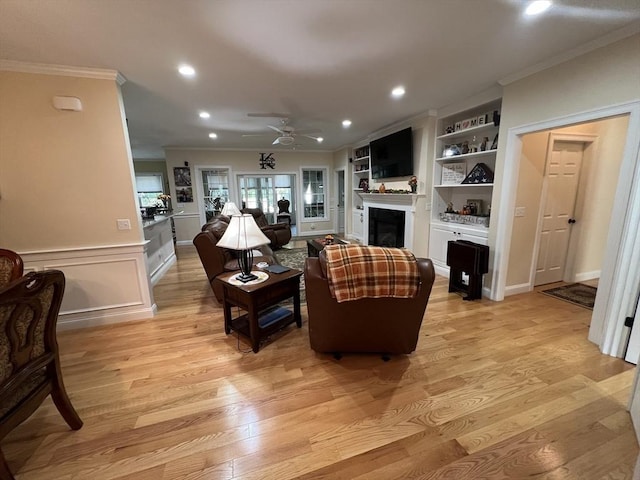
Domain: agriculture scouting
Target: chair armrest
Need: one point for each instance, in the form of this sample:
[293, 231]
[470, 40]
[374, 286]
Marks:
[276, 226]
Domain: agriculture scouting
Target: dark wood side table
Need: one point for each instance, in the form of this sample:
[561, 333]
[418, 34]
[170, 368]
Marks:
[255, 299]
[316, 245]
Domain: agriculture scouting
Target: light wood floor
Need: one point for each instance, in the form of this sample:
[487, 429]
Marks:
[495, 390]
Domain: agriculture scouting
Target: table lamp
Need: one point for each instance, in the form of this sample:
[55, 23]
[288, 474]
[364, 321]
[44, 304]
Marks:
[242, 235]
[230, 209]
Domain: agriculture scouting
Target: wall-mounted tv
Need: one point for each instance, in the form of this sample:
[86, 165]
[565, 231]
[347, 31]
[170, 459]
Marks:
[392, 156]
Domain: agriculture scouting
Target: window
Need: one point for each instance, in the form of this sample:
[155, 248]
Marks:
[149, 186]
[215, 184]
[314, 193]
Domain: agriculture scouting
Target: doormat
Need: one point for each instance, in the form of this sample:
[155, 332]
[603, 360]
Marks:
[577, 293]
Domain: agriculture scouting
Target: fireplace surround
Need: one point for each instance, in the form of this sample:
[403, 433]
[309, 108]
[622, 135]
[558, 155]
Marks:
[396, 202]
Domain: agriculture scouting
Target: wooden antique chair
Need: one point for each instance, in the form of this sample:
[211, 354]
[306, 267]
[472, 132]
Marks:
[29, 362]
[11, 266]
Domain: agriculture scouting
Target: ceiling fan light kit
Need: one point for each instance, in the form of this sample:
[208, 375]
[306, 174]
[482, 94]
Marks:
[286, 133]
[284, 140]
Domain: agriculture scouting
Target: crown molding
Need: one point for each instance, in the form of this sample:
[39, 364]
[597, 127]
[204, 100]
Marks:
[64, 70]
[608, 39]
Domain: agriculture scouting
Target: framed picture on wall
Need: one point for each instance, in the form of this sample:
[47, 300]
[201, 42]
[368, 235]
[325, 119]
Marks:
[185, 194]
[182, 176]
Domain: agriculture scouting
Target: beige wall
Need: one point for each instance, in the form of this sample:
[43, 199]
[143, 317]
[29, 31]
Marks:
[601, 78]
[65, 177]
[244, 162]
[594, 203]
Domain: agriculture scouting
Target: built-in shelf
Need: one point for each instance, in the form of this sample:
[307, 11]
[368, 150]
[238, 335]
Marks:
[457, 185]
[467, 131]
[453, 158]
[455, 196]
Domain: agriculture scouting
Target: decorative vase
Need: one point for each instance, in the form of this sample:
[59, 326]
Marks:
[382, 188]
[414, 188]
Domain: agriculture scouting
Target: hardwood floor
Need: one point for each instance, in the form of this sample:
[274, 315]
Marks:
[495, 390]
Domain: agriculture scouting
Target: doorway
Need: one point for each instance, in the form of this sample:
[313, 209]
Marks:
[557, 217]
[620, 276]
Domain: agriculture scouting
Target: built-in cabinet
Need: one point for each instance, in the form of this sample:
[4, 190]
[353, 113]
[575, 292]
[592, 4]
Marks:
[360, 178]
[160, 251]
[463, 170]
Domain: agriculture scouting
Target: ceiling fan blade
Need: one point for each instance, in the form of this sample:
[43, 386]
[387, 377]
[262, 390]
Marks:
[255, 134]
[304, 131]
[276, 129]
[269, 115]
[276, 141]
[310, 136]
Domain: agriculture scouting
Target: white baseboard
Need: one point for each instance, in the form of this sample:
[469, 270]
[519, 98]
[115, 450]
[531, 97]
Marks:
[72, 321]
[182, 243]
[516, 289]
[440, 270]
[315, 233]
[583, 277]
[159, 273]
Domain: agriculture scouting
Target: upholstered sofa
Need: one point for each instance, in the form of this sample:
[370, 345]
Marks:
[278, 233]
[216, 260]
[372, 325]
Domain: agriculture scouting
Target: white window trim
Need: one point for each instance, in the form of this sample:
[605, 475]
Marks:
[301, 189]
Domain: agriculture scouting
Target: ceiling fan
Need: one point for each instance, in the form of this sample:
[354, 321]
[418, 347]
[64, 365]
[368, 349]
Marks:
[286, 132]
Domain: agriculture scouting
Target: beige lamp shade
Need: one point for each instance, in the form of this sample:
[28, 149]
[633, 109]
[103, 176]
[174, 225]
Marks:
[242, 233]
[230, 209]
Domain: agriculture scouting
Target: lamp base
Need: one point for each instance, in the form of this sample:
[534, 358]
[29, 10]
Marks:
[244, 277]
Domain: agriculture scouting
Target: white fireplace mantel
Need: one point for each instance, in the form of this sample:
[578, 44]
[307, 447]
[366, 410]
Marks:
[405, 202]
[391, 198]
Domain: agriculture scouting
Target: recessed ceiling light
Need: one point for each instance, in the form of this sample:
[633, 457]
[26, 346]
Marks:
[397, 92]
[186, 70]
[213, 135]
[320, 139]
[346, 123]
[204, 114]
[537, 7]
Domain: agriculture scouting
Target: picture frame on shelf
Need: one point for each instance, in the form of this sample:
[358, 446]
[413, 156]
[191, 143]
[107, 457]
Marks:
[364, 184]
[475, 206]
[453, 173]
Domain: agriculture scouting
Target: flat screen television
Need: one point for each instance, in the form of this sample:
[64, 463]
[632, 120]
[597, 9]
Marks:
[392, 156]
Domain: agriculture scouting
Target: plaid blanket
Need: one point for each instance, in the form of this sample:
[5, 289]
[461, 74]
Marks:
[356, 271]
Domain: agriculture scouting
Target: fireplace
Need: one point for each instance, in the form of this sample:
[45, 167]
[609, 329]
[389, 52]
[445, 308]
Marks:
[386, 227]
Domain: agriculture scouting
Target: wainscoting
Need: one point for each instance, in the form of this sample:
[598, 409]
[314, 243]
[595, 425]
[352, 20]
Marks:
[106, 284]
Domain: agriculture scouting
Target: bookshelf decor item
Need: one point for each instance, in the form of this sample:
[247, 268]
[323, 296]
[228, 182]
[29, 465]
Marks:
[480, 173]
[453, 173]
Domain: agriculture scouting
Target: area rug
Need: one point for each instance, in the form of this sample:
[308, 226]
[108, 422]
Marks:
[294, 258]
[577, 293]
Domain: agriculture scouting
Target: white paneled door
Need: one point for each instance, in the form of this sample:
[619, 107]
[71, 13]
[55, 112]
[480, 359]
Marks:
[562, 174]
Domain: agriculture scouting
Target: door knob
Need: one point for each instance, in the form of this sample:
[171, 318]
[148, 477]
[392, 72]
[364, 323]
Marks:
[571, 220]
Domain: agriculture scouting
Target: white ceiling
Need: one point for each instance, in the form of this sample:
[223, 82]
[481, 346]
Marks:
[319, 61]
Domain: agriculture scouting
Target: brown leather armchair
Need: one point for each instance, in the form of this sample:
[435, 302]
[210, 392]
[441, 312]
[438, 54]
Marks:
[278, 233]
[216, 260]
[372, 325]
